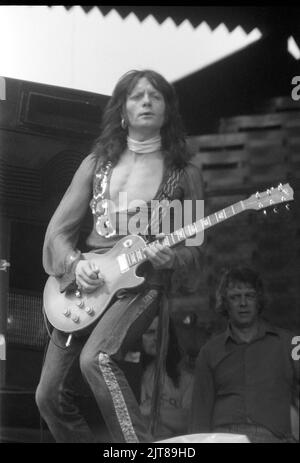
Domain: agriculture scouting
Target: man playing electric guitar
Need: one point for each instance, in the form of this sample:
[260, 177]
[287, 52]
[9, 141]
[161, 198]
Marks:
[141, 155]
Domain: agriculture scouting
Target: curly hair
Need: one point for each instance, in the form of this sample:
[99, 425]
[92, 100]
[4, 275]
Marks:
[238, 275]
[113, 138]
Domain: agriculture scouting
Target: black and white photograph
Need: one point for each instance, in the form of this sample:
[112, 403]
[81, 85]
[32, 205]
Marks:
[149, 226]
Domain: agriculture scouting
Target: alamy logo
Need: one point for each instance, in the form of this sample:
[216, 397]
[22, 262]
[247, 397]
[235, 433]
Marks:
[2, 89]
[164, 216]
[296, 349]
[296, 90]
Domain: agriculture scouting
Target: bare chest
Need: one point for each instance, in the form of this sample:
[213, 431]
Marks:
[135, 181]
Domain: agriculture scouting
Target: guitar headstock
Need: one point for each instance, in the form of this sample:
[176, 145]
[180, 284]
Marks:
[271, 197]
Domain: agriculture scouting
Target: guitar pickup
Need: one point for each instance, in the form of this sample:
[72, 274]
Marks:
[123, 264]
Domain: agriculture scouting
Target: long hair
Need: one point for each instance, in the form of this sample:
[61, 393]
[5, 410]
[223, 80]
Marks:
[173, 357]
[113, 138]
[238, 275]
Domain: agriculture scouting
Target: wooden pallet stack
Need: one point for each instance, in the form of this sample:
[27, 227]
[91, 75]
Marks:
[253, 153]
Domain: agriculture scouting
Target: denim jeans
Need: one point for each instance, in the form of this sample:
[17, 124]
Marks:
[96, 357]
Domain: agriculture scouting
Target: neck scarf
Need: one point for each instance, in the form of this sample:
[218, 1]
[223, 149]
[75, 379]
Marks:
[143, 147]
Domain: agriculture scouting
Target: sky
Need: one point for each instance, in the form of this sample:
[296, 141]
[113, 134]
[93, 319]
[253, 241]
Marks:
[90, 51]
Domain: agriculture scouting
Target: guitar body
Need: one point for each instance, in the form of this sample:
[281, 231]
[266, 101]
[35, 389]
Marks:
[70, 313]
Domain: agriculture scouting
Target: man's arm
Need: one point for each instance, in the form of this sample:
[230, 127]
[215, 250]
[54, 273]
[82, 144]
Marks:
[60, 254]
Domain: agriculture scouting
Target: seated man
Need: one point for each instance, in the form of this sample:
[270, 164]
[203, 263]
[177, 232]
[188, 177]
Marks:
[245, 376]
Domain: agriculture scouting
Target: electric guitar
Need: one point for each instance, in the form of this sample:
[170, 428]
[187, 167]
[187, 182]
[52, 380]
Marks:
[75, 311]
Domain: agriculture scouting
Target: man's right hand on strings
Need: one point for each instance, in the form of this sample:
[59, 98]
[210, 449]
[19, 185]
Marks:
[88, 276]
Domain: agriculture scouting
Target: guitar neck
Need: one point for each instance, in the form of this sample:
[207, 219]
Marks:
[137, 257]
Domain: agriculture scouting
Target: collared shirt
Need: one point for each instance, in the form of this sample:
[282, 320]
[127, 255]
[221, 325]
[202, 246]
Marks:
[245, 382]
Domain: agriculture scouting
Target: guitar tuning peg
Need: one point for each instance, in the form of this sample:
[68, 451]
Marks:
[275, 210]
[287, 206]
[265, 212]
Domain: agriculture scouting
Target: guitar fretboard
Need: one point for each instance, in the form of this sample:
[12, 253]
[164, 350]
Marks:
[138, 256]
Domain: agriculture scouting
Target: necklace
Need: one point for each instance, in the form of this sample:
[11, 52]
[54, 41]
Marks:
[143, 147]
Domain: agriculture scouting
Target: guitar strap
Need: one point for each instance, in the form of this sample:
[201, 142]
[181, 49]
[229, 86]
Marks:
[165, 196]
[163, 200]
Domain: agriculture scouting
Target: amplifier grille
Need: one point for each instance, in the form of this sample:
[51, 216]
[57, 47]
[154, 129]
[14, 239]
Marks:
[25, 322]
